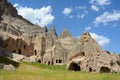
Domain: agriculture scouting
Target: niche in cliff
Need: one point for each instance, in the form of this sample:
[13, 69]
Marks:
[74, 66]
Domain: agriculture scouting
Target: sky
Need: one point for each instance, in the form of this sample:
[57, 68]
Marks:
[101, 18]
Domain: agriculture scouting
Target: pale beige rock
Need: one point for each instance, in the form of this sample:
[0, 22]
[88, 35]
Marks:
[32, 43]
[9, 67]
[87, 56]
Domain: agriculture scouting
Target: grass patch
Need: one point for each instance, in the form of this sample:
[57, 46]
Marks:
[44, 66]
[37, 71]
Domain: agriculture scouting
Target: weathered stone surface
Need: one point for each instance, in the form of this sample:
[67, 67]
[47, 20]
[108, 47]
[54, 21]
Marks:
[4, 52]
[18, 57]
[9, 67]
[7, 9]
[32, 43]
[87, 56]
[18, 46]
[67, 40]
[51, 37]
[65, 34]
[55, 55]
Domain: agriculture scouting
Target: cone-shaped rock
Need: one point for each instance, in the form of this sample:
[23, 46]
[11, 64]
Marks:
[89, 44]
[65, 34]
[45, 28]
[87, 56]
[53, 30]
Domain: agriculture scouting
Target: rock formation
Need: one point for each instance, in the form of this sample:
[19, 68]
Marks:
[56, 55]
[86, 55]
[4, 52]
[65, 34]
[9, 67]
[19, 36]
[67, 40]
[25, 41]
[7, 9]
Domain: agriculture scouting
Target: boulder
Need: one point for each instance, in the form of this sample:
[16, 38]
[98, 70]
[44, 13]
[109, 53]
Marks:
[9, 67]
[30, 59]
[18, 57]
[1, 65]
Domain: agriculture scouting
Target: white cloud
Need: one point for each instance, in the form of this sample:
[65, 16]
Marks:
[96, 4]
[107, 17]
[67, 11]
[79, 11]
[87, 28]
[40, 16]
[16, 5]
[81, 7]
[100, 2]
[103, 2]
[101, 40]
[81, 16]
[95, 8]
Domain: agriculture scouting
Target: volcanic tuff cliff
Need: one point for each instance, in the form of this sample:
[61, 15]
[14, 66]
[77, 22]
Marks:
[87, 55]
[19, 36]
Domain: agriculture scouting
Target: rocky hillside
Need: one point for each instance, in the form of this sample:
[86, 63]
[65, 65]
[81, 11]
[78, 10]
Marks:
[18, 35]
[22, 40]
[87, 55]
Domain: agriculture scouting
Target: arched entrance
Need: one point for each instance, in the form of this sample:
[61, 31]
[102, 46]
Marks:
[104, 69]
[74, 66]
[19, 51]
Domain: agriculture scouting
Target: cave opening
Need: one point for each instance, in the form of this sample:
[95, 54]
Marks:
[90, 69]
[104, 69]
[39, 61]
[14, 51]
[19, 51]
[74, 66]
[24, 47]
[35, 52]
[48, 62]
[59, 61]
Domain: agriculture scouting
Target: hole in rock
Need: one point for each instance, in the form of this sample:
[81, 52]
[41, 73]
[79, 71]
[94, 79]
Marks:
[19, 51]
[74, 66]
[59, 61]
[104, 69]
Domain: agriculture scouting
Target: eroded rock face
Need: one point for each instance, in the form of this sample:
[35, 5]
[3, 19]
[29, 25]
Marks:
[18, 35]
[18, 46]
[67, 40]
[56, 55]
[32, 43]
[7, 9]
[4, 52]
[87, 56]
[65, 34]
